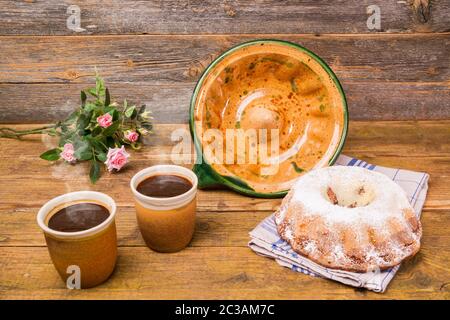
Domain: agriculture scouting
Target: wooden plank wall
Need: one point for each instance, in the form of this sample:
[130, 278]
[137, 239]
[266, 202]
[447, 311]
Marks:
[154, 51]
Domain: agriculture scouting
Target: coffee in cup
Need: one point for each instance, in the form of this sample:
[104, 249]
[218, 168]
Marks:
[80, 233]
[165, 199]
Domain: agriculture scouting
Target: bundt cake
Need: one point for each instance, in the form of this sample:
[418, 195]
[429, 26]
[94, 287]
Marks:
[349, 218]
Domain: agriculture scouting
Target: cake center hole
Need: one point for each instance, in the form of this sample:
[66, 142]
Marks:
[353, 197]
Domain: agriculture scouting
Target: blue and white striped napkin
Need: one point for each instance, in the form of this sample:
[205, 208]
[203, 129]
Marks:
[266, 242]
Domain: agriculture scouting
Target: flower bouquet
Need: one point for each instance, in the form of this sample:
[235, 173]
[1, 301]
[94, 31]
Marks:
[97, 131]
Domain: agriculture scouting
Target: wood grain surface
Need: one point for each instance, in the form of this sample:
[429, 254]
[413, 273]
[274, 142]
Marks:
[227, 16]
[385, 77]
[217, 264]
[153, 52]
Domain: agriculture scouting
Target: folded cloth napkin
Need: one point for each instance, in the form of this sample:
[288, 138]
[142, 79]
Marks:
[266, 242]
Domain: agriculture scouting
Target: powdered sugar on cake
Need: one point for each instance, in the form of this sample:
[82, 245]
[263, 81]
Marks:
[349, 218]
[311, 191]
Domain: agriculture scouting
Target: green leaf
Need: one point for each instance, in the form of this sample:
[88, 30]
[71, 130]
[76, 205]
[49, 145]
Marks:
[82, 150]
[97, 143]
[99, 86]
[84, 155]
[93, 92]
[51, 155]
[136, 145]
[89, 107]
[111, 129]
[96, 131]
[107, 98]
[72, 117]
[67, 137]
[129, 112]
[296, 167]
[108, 109]
[83, 97]
[101, 156]
[82, 132]
[142, 109]
[149, 125]
[83, 121]
[115, 114]
[110, 142]
[94, 173]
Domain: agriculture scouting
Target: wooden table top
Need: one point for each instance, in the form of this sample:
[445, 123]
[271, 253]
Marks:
[217, 264]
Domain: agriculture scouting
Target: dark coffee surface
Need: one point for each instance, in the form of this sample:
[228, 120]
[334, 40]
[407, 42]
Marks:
[164, 186]
[78, 217]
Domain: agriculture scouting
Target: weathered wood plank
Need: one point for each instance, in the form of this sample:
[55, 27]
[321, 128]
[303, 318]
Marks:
[169, 59]
[213, 228]
[117, 187]
[365, 138]
[377, 100]
[385, 77]
[64, 179]
[231, 16]
[200, 273]
[225, 228]
[50, 102]
[419, 146]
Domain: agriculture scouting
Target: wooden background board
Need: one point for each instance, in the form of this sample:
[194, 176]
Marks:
[154, 51]
[222, 17]
[384, 77]
[218, 263]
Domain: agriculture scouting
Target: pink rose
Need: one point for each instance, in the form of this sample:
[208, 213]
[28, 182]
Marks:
[105, 120]
[116, 158]
[67, 153]
[131, 136]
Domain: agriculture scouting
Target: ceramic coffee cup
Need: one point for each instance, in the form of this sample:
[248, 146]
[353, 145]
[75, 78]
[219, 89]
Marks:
[166, 223]
[93, 251]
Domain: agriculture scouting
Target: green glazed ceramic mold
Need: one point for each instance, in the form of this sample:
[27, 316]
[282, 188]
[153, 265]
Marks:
[208, 178]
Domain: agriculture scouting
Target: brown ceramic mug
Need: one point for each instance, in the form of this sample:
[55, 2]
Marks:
[166, 223]
[91, 252]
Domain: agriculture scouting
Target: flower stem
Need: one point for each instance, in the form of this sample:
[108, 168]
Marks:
[17, 134]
